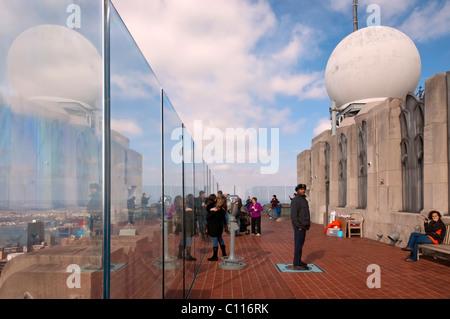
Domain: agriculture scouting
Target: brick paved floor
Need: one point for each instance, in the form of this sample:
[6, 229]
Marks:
[343, 260]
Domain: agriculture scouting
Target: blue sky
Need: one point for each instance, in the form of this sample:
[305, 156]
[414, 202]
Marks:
[237, 63]
[253, 64]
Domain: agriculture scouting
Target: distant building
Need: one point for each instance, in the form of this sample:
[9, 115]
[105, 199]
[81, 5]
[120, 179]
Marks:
[36, 235]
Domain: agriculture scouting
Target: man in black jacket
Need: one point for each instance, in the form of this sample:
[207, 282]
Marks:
[300, 218]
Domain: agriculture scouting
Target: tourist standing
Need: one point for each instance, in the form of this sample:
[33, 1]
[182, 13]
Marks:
[93, 222]
[200, 211]
[255, 211]
[300, 217]
[131, 205]
[248, 203]
[216, 223]
[274, 203]
[278, 211]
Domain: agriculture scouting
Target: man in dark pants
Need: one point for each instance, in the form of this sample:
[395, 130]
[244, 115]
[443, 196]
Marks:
[300, 218]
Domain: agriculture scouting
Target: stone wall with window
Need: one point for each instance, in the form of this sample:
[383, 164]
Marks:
[389, 162]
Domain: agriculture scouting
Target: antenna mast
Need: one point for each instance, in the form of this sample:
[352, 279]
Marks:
[355, 15]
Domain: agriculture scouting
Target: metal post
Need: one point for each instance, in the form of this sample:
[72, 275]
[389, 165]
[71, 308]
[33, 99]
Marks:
[333, 118]
[355, 15]
[106, 151]
[163, 202]
[232, 262]
[183, 219]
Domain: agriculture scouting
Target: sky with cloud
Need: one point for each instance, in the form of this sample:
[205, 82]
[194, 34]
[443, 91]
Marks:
[255, 65]
[261, 64]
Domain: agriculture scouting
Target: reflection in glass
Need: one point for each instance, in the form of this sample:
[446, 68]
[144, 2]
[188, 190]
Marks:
[52, 218]
[189, 218]
[135, 168]
[173, 189]
[50, 143]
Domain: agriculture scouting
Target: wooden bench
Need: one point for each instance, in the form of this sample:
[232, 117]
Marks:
[443, 248]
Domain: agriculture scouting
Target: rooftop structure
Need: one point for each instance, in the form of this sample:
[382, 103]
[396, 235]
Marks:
[372, 64]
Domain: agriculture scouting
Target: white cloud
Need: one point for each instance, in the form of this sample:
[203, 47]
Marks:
[284, 119]
[342, 6]
[203, 53]
[301, 43]
[133, 85]
[421, 20]
[391, 12]
[250, 175]
[304, 86]
[323, 125]
[126, 127]
[429, 22]
[388, 8]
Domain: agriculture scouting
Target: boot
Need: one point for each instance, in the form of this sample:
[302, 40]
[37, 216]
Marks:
[214, 256]
[188, 255]
[224, 253]
[180, 252]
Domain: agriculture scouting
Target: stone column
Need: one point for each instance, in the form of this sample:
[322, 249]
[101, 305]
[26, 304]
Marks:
[435, 145]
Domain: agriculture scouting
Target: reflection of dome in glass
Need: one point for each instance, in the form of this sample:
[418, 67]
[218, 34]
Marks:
[55, 61]
[373, 62]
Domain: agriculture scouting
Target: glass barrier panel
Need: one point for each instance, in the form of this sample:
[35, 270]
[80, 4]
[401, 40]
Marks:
[50, 149]
[200, 207]
[201, 239]
[173, 263]
[136, 168]
[264, 194]
[189, 218]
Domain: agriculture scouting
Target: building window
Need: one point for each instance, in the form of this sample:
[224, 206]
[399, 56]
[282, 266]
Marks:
[412, 126]
[327, 174]
[342, 170]
[362, 165]
[327, 162]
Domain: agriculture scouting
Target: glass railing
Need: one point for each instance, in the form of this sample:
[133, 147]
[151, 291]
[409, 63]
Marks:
[51, 106]
[264, 194]
[52, 163]
[139, 231]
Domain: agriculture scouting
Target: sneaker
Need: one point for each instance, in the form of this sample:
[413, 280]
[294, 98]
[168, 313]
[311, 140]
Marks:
[258, 235]
[406, 249]
[409, 259]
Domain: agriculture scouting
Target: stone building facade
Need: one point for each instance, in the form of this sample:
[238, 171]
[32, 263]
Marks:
[389, 162]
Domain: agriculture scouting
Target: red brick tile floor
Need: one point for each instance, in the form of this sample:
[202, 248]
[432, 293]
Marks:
[345, 263]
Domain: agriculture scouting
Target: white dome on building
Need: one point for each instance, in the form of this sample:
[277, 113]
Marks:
[55, 61]
[372, 63]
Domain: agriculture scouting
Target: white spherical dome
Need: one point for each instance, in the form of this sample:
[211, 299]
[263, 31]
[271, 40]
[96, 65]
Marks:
[373, 62]
[55, 61]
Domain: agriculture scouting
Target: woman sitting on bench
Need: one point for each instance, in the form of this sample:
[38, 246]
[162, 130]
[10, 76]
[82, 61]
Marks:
[434, 234]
